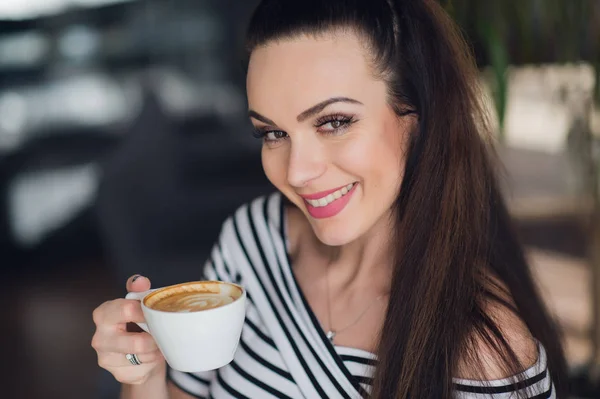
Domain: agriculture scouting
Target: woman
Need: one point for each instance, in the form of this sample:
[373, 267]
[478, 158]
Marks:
[391, 268]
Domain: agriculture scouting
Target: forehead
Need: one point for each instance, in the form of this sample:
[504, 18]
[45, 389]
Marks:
[302, 71]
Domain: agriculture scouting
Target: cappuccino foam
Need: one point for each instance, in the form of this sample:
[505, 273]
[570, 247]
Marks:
[196, 297]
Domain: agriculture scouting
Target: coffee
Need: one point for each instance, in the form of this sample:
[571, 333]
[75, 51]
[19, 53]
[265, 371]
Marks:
[196, 325]
[193, 297]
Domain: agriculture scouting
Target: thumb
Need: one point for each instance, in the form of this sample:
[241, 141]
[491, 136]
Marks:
[138, 283]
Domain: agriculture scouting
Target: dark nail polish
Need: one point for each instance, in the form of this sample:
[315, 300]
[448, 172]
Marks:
[135, 278]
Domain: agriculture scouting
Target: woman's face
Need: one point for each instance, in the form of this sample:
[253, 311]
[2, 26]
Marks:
[332, 144]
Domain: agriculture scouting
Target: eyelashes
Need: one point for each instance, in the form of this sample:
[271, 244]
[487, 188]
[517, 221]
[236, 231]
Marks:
[261, 132]
[269, 135]
[339, 120]
[338, 124]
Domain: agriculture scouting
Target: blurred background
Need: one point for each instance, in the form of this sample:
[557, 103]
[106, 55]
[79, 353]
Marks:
[124, 144]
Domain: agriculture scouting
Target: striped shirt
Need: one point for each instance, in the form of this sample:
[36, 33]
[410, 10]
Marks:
[283, 351]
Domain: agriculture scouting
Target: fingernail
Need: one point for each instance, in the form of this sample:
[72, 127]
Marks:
[135, 278]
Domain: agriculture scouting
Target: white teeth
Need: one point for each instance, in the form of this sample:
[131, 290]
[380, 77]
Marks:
[331, 197]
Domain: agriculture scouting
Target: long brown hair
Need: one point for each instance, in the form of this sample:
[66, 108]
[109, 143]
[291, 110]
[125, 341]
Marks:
[456, 249]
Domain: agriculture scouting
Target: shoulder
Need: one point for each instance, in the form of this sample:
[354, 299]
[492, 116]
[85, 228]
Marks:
[533, 382]
[245, 235]
[261, 212]
[482, 360]
[481, 370]
[272, 214]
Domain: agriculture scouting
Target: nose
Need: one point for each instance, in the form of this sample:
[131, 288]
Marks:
[307, 162]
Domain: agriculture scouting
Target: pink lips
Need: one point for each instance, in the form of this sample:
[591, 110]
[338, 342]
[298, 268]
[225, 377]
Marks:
[321, 194]
[331, 209]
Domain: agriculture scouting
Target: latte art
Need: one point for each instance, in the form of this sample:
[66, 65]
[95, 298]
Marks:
[186, 298]
[192, 302]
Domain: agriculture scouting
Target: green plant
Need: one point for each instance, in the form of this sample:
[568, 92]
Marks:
[508, 32]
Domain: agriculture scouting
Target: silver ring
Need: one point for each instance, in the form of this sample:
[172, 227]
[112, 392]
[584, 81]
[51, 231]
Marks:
[133, 359]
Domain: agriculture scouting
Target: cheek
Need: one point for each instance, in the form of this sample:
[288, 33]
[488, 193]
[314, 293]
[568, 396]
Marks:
[392, 147]
[274, 166]
[377, 159]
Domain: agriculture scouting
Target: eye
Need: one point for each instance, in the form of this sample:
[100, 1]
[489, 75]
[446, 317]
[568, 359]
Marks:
[334, 123]
[275, 135]
[269, 136]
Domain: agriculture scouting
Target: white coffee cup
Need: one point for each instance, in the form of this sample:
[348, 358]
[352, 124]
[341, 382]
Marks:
[201, 340]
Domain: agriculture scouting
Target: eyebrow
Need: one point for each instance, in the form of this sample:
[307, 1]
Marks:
[315, 109]
[259, 117]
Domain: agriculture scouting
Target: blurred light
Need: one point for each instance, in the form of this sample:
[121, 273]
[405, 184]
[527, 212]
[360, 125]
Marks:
[44, 201]
[79, 43]
[13, 113]
[90, 100]
[22, 9]
[86, 100]
[13, 110]
[22, 50]
[180, 96]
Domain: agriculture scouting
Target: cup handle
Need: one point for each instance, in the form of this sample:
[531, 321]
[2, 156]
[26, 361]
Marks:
[138, 296]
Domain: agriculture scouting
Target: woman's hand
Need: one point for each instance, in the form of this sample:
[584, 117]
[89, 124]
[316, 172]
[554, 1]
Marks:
[112, 341]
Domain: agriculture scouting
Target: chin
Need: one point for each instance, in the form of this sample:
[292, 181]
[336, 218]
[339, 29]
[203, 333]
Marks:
[332, 235]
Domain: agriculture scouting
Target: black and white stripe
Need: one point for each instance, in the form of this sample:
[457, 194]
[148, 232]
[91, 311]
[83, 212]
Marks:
[283, 351]
[262, 262]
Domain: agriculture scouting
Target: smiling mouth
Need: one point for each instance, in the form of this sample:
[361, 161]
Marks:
[328, 199]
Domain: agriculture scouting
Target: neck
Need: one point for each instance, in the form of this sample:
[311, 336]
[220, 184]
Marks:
[364, 263]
